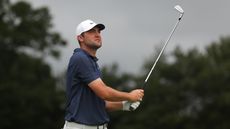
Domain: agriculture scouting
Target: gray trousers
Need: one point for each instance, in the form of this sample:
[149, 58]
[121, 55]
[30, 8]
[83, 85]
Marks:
[73, 125]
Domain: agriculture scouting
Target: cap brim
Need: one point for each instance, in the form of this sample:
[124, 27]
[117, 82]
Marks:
[100, 26]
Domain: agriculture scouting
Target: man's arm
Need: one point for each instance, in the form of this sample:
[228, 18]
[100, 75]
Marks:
[113, 106]
[122, 105]
[110, 94]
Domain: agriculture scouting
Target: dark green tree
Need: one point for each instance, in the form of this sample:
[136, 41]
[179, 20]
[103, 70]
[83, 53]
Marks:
[28, 94]
[192, 92]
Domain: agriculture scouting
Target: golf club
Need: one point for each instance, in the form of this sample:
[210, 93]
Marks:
[181, 11]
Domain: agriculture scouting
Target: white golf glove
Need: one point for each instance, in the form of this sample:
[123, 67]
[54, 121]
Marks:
[127, 105]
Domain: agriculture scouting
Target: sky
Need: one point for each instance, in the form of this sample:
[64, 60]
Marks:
[134, 28]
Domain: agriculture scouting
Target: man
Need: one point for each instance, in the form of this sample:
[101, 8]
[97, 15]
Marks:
[88, 97]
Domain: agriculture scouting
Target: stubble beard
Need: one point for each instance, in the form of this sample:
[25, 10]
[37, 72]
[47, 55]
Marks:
[94, 45]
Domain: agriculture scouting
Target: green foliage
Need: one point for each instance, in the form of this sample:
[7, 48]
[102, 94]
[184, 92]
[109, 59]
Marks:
[192, 92]
[25, 28]
[112, 77]
[28, 94]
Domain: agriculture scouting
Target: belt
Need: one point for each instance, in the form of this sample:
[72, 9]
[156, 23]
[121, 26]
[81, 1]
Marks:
[73, 125]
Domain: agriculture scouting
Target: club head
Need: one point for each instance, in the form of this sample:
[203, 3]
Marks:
[179, 9]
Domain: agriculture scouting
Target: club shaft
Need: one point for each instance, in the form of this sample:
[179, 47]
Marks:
[162, 50]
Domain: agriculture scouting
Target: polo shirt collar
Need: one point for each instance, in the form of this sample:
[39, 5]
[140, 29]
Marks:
[93, 57]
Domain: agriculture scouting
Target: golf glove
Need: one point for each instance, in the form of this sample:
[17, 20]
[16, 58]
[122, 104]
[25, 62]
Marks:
[127, 104]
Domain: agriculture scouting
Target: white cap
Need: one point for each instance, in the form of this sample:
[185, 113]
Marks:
[87, 25]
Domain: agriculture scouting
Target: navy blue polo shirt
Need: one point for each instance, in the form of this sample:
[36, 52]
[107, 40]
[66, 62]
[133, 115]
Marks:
[83, 105]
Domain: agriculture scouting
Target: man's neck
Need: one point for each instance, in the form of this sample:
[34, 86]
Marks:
[91, 52]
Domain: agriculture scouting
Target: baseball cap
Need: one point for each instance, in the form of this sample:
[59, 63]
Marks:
[87, 25]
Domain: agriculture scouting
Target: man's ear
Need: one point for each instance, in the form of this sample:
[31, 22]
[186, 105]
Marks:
[79, 38]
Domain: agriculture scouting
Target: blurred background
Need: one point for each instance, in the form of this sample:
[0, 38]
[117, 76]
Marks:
[189, 88]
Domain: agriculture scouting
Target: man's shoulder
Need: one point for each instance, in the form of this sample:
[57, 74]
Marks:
[79, 54]
[79, 57]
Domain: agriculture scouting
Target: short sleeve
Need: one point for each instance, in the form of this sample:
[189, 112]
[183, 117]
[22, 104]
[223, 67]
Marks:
[87, 69]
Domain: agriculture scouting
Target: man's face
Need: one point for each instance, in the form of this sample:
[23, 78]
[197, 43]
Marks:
[92, 38]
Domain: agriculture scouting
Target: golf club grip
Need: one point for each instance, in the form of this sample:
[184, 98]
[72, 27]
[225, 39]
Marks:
[131, 108]
[143, 87]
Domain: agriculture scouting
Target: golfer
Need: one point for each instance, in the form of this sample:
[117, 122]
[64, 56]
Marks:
[88, 97]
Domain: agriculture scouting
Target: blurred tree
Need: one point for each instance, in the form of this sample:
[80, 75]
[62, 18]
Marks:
[28, 94]
[112, 77]
[192, 92]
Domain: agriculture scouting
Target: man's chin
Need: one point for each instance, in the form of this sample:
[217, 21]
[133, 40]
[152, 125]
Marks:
[97, 47]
